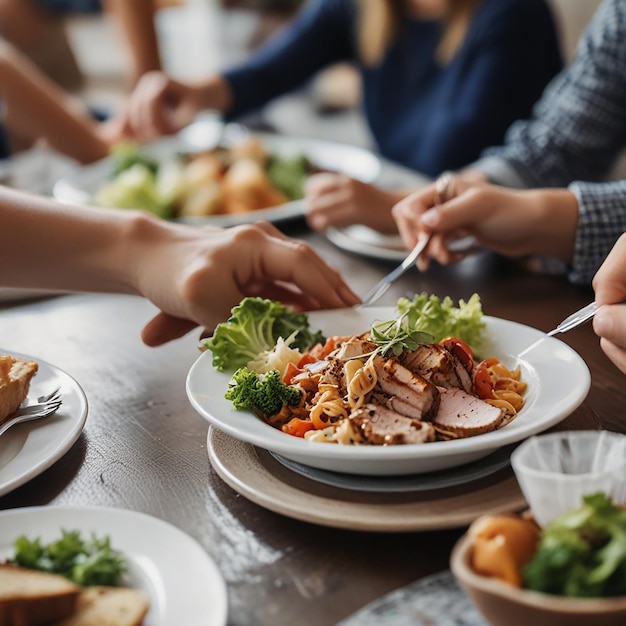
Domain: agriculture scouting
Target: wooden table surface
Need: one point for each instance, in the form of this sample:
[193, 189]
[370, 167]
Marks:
[144, 446]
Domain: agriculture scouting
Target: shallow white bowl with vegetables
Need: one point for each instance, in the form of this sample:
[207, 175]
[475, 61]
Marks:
[557, 377]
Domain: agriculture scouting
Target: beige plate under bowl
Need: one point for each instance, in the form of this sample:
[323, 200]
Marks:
[258, 476]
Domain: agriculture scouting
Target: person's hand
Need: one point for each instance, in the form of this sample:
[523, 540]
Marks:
[512, 223]
[195, 276]
[337, 200]
[159, 106]
[609, 322]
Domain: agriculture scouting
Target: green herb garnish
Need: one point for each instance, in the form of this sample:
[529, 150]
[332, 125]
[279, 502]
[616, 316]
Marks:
[428, 319]
[84, 562]
[395, 336]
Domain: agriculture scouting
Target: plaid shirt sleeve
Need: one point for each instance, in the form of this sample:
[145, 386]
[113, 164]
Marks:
[601, 221]
[577, 131]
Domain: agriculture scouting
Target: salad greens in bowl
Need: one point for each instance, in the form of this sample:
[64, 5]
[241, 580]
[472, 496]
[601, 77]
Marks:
[572, 572]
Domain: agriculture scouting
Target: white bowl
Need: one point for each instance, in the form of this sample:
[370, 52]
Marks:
[558, 381]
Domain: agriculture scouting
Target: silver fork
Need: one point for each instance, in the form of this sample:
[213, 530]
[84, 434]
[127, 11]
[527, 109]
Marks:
[570, 322]
[44, 407]
[380, 288]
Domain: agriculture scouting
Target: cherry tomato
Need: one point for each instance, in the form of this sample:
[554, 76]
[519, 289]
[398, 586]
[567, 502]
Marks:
[482, 381]
[460, 350]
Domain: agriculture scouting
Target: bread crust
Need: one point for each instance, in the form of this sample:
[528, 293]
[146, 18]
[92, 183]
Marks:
[29, 597]
[108, 606]
[33, 598]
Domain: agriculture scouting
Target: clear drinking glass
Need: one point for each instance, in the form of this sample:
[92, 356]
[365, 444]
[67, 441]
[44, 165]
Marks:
[556, 470]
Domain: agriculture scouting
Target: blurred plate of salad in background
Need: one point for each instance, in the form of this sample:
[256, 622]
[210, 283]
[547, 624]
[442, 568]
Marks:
[557, 377]
[182, 582]
[214, 173]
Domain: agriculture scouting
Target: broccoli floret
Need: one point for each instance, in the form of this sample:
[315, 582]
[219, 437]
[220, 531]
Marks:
[582, 553]
[254, 327]
[263, 394]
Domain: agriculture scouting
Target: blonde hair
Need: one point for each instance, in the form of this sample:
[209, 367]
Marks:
[380, 22]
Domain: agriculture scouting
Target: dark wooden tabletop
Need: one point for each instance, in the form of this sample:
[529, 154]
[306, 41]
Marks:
[144, 446]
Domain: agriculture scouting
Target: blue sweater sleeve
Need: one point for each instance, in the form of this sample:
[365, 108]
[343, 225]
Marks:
[510, 55]
[321, 34]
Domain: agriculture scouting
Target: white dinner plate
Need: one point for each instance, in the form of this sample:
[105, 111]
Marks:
[365, 241]
[558, 381]
[29, 448]
[80, 186]
[182, 582]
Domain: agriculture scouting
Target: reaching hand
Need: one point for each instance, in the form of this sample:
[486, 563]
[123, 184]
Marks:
[195, 276]
[338, 200]
[159, 106]
[513, 223]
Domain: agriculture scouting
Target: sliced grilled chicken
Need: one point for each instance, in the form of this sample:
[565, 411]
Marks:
[354, 347]
[405, 391]
[378, 425]
[463, 415]
[439, 366]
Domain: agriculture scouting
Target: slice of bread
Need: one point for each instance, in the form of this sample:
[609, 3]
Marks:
[29, 597]
[15, 377]
[108, 606]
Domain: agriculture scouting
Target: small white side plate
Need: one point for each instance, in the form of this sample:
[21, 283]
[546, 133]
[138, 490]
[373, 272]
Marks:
[28, 449]
[182, 582]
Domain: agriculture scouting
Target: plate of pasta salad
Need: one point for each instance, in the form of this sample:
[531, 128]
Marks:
[424, 386]
[214, 173]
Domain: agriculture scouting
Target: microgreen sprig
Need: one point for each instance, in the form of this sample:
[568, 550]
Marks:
[394, 336]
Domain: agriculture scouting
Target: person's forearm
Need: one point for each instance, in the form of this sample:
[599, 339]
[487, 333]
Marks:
[556, 217]
[473, 176]
[47, 245]
[136, 20]
[213, 93]
[37, 108]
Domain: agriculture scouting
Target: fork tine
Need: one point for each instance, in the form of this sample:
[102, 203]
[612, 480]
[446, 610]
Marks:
[31, 413]
[50, 395]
